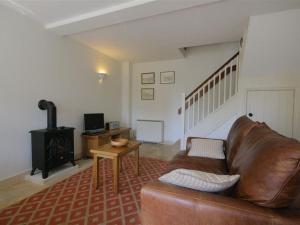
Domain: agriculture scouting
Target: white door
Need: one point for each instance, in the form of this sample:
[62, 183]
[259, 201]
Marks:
[274, 107]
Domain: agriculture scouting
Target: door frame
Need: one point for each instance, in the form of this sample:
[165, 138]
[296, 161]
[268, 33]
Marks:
[274, 89]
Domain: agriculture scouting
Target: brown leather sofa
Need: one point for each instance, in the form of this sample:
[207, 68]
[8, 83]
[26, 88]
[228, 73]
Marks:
[268, 191]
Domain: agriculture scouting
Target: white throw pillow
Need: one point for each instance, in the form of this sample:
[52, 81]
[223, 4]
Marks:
[208, 148]
[199, 180]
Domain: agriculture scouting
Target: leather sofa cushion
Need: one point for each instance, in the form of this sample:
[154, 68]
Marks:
[183, 161]
[296, 202]
[240, 128]
[269, 166]
[164, 204]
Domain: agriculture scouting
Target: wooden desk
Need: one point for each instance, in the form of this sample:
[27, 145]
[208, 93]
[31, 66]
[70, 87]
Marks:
[115, 154]
[95, 141]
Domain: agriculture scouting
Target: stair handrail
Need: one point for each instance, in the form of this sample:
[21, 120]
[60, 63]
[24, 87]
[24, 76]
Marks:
[209, 78]
[213, 74]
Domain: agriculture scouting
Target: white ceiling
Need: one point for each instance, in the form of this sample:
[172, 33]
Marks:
[50, 11]
[148, 30]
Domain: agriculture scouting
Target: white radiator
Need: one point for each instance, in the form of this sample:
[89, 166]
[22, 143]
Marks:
[150, 131]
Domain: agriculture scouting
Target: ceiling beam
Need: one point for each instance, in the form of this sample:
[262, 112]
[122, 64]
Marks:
[100, 12]
[130, 11]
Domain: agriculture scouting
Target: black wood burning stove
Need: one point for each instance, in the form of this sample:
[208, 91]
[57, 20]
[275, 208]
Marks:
[51, 147]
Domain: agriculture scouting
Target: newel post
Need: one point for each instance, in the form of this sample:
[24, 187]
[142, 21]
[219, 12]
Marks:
[182, 122]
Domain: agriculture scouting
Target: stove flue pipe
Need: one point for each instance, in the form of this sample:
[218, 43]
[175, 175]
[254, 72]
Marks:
[51, 113]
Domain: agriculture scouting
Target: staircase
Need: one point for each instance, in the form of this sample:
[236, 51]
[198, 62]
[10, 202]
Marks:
[208, 97]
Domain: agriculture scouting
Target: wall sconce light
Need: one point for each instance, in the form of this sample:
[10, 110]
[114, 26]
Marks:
[101, 77]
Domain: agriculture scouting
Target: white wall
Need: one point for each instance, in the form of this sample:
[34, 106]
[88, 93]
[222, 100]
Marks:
[271, 57]
[200, 63]
[34, 65]
[272, 46]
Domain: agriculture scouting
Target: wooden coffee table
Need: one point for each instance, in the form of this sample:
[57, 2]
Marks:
[115, 153]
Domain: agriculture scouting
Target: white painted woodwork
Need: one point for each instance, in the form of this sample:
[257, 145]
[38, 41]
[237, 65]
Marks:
[194, 108]
[214, 90]
[219, 92]
[236, 75]
[182, 120]
[230, 78]
[210, 101]
[208, 97]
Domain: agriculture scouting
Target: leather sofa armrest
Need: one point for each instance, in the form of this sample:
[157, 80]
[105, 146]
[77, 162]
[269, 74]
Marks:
[167, 204]
[189, 142]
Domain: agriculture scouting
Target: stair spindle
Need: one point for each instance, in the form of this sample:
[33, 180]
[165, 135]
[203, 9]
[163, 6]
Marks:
[230, 78]
[224, 97]
[193, 113]
[214, 90]
[219, 92]
[207, 99]
[198, 106]
[236, 75]
[211, 97]
[203, 102]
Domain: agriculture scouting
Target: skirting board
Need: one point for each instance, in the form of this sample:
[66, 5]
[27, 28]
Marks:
[54, 175]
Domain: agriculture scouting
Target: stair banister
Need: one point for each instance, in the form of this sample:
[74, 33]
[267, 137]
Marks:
[204, 83]
[225, 77]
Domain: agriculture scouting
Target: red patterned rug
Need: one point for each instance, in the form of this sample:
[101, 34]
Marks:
[74, 202]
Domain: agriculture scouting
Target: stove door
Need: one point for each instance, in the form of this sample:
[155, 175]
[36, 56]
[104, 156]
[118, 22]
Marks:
[59, 149]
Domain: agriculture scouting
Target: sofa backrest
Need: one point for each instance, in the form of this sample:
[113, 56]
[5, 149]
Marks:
[269, 166]
[237, 133]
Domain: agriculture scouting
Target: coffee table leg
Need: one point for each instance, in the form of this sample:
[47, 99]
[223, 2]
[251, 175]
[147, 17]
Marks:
[116, 171]
[137, 156]
[96, 172]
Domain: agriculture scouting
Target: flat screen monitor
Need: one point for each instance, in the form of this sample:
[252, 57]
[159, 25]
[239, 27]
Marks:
[94, 122]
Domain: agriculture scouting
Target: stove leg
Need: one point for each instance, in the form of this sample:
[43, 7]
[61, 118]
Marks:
[44, 174]
[73, 163]
[32, 171]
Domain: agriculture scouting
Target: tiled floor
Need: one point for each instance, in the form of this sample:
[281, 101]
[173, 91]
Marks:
[16, 189]
[164, 152]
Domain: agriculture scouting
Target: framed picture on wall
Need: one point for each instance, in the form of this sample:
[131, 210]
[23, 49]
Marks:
[167, 77]
[147, 93]
[148, 78]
